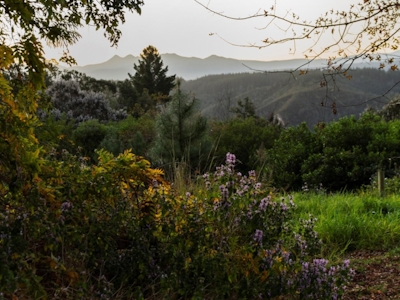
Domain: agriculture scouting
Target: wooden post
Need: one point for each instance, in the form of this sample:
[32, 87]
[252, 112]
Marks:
[381, 182]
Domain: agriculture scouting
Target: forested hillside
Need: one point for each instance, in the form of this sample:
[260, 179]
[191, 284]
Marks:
[296, 98]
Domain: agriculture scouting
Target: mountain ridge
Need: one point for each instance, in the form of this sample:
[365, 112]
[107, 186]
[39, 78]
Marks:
[190, 68]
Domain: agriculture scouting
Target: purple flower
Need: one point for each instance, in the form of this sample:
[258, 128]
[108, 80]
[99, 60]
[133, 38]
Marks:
[65, 206]
[225, 194]
[264, 203]
[258, 235]
[346, 263]
[230, 159]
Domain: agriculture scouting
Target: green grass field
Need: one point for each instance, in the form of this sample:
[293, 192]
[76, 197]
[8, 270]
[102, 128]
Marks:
[346, 221]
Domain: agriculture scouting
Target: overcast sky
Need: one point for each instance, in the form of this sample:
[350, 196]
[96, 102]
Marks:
[183, 27]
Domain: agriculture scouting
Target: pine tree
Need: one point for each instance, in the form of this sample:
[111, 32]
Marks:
[181, 130]
[152, 76]
[245, 109]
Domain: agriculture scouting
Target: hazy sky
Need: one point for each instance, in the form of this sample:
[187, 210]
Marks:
[183, 27]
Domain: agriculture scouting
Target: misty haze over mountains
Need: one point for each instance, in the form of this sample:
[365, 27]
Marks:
[189, 68]
[295, 98]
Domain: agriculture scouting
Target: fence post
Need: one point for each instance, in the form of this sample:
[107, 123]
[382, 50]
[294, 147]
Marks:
[381, 182]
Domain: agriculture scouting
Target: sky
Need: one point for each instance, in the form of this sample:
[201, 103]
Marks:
[183, 27]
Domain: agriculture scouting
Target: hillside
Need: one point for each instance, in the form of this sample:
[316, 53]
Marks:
[295, 99]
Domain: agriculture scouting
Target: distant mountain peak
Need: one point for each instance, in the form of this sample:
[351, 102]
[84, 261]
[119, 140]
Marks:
[190, 68]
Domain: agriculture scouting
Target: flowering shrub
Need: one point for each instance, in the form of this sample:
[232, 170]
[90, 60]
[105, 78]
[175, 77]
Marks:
[254, 234]
[318, 281]
[116, 230]
[66, 233]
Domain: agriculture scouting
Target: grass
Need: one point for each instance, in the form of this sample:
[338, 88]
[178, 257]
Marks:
[353, 221]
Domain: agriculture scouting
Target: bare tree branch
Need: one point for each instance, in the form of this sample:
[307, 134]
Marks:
[360, 33]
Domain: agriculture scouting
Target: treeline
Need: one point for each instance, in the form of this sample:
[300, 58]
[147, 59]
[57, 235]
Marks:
[87, 114]
[297, 98]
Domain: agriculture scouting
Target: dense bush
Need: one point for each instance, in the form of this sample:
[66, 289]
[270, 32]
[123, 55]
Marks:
[338, 155]
[64, 234]
[137, 134]
[243, 137]
[56, 133]
[88, 136]
[80, 105]
[116, 230]
[285, 159]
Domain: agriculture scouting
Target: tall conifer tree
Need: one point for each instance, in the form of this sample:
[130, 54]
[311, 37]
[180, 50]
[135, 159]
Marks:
[152, 76]
[181, 131]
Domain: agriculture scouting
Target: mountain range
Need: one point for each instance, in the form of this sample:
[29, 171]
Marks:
[189, 68]
[220, 82]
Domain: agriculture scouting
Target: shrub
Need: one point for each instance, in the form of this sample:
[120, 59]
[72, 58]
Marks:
[89, 135]
[116, 230]
[234, 240]
[243, 137]
[132, 133]
[339, 155]
[65, 234]
[286, 157]
[80, 105]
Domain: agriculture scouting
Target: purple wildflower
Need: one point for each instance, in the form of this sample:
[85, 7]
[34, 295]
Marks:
[66, 206]
[264, 203]
[230, 159]
[258, 235]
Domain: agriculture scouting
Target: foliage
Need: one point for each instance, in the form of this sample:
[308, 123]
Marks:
[152, 76]
[24, 25]
[391, 111]
[137, 134]
[244, 137]
[245, 109]
[295, 98]
[88, 136]
[391, 185]
[63, 236]
[116, 230]
[80, 105]
[351, 152]
[180, 132]
[56, 23]
[127, 95]
[235, 241]
[339, 155]
[56, 133]
[285, 159]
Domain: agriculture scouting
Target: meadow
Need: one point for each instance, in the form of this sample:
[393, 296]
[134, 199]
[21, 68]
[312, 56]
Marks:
[363, 227]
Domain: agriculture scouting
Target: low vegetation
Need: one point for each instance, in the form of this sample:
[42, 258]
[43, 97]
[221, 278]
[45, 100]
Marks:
[117, 230]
